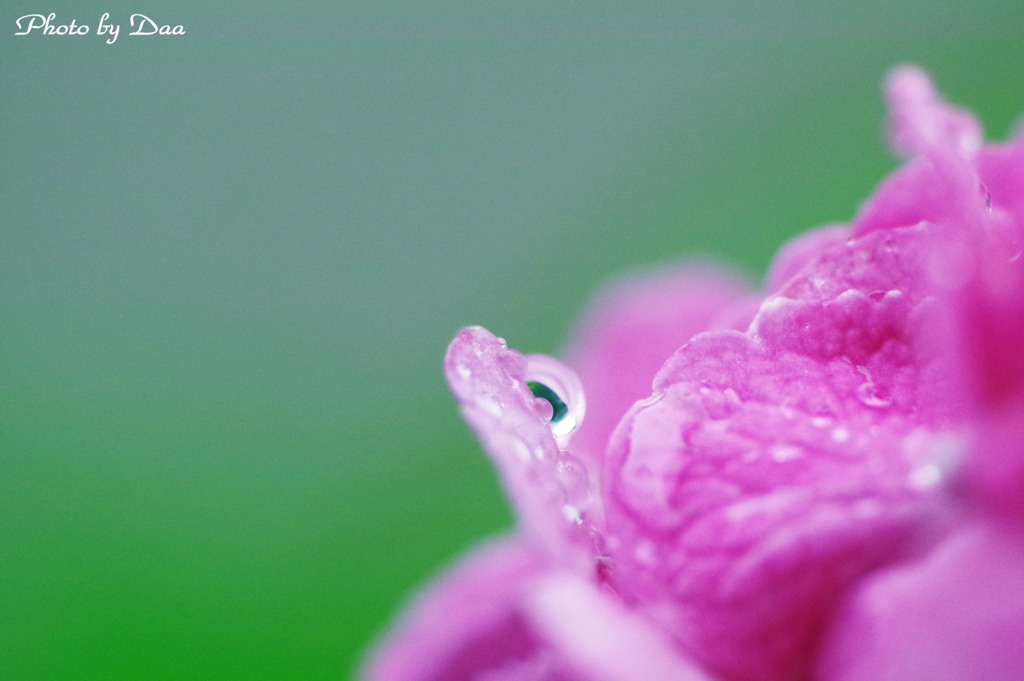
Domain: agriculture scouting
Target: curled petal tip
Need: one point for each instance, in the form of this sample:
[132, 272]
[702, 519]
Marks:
[921, 121]
[524, 410]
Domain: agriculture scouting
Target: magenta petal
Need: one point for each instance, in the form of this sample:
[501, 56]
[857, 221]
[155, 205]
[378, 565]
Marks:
[550, 488]
[633, 324]
[921, 120]
[991, 326]
[957, 616]
[499, 615]
[467, 623]
[802, 251]
[828, 486]
[1001, 171]
[750, 492]
[602, 638]
[911, 195]
[940, 184]
[771, 470]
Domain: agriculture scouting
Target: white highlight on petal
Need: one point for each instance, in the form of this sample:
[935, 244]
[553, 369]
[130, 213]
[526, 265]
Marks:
[939, 456]
[928, 475]
[601, 638]
[921, 120]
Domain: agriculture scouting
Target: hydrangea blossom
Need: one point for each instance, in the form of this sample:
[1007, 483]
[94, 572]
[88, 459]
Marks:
[824, 481]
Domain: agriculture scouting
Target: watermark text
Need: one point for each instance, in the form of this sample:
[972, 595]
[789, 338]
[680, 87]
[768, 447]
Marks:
[139, 24]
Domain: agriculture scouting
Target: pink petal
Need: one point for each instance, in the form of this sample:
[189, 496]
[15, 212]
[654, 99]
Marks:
[1001, 171]
[550, 488]
[802, 251]
[991, 325]
[992, 321]
[601, 637]
[940, 184]
[921, 120]
[959, 613]
[467, 625]
[911, 195]
[868, 414]
[632, 325]
[771, 470]
[500, 615]
[956, 616]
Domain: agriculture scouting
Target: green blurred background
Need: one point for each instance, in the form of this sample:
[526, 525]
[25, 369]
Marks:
[230, 263]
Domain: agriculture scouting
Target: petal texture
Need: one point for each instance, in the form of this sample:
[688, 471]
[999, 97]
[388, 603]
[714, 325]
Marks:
[771, 471]
[550, 488]
[826, 484]
[634, 324]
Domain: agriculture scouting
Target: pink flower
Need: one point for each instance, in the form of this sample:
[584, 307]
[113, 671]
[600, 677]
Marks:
[824, 482]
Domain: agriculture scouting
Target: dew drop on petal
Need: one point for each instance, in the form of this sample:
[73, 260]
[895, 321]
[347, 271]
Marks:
[556, 409]
[557, 384]
[983, 191]
[869, 392]
[868, 395]
[574, 481]
[543, 405]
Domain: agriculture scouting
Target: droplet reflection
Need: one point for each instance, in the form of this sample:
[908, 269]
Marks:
[558, 407]
[553, 382]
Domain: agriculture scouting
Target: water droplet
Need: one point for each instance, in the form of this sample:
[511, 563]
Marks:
[868, 391]
[558, 385]
[869, 397]
[541, 405]
[572, 514]
[983, 191]
[575, 482]
[545, 395]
